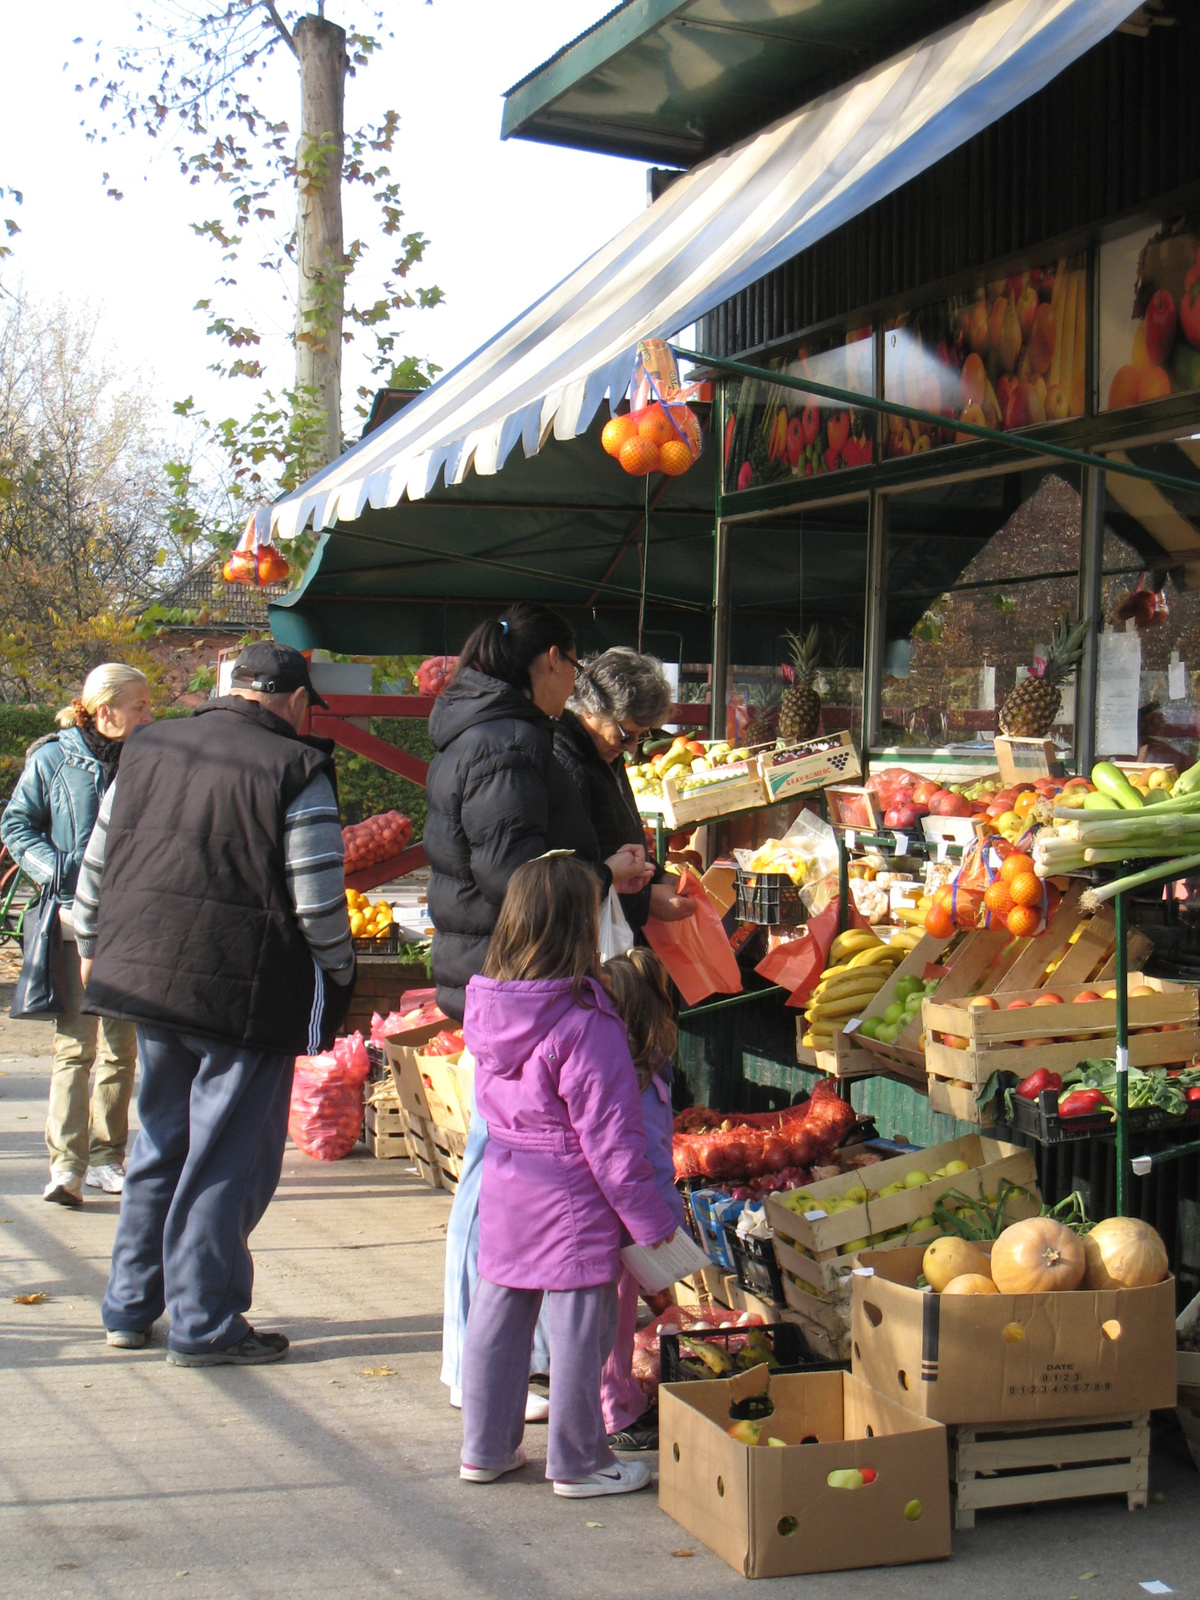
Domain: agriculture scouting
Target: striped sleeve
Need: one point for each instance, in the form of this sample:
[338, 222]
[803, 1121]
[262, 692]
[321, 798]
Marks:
[313, 855]
[86, 910]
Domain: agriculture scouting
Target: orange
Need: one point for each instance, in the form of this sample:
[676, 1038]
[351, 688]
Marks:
[1022, 921]
[939, 922]
[1015, 866]
[1024, 804]
[639, 457]
[656, 426]
[674, 458]
[617, 430]
[1026, 889]
[997, 898]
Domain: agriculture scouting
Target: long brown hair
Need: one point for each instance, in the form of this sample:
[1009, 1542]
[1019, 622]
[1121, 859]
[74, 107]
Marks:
[641, 992]
[547, 927]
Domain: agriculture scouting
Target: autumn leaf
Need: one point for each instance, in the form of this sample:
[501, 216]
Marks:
[29, 1299]
[378, 1372]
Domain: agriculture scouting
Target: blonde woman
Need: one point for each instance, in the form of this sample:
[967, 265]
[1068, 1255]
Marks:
[46, 826]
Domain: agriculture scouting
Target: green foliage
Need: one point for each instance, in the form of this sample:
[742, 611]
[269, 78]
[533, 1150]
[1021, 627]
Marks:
[365, 789]
[19, 727]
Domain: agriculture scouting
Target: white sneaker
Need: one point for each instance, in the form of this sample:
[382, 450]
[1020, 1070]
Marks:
[110, 1179]
[456, 1399]
[622, 1478]
[490, 1474]
[63, 1190]
[537, 1407]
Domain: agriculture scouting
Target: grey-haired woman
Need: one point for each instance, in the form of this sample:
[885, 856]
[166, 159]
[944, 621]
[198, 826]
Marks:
[618, 697]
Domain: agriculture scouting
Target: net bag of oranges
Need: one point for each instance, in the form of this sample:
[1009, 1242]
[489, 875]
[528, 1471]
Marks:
[660, 432]
[996, 887]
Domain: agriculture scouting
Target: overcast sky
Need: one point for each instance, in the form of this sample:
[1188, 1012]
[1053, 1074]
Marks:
[505, 220]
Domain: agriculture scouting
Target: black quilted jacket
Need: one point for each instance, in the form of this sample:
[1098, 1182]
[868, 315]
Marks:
[497, 797]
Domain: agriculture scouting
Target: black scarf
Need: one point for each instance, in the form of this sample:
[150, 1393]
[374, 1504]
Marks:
[106, 751]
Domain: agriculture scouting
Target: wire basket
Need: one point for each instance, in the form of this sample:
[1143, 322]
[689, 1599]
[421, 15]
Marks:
[769, 898]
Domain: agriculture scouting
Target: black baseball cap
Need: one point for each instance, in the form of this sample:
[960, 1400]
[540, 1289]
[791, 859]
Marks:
[275, 669]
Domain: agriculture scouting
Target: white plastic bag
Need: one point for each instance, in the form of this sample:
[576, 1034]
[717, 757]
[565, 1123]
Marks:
[616, 936]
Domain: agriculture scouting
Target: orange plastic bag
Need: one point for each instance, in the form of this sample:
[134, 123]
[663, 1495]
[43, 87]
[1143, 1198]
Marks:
[696, 952]
[797, 967]
[326, 1114]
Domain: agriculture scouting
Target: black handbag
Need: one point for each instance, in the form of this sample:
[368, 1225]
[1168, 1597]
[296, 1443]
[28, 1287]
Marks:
[42, 987]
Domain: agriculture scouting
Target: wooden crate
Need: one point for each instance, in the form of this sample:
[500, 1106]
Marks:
[950, 1098]
[1021, 1463]
[852, 807]
[421, 1147]
[387, 1138]
[997, 1041]
[812, 764]
[739, 1300]
[904, 1054]
[449, 1146]
[847, 1059]
[742, 793]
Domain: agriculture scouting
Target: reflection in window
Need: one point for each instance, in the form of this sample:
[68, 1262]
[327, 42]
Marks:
[978, 573]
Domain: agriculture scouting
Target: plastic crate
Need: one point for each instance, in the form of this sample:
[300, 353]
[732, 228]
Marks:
[755, 1264]
[1039, 1119]
[785, 1339]
[768, 898]
[387, 944]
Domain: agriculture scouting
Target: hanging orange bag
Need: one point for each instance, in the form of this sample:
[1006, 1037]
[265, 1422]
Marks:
[695, 951]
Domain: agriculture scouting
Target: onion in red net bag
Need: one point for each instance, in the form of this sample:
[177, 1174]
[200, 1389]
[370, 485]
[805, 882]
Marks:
[326, 1115]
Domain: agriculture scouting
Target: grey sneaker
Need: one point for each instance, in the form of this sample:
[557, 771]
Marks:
[126, 1338]
[63, 1191]
[252, 1351]
[110, 1179]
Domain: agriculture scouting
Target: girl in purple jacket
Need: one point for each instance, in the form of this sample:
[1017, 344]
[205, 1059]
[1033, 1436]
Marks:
[566, 1180]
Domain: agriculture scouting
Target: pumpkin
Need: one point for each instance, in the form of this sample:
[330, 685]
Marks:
[1037, 1256]
[1123, 1253]
[950, 1257]
[971, 1283]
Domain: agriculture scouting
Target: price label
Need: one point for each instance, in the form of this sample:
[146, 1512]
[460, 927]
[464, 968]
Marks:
[901, 840]
[1142, 1165]
[942, 849]
[852, 1025]
[814, 1216]
[851, 838]
[862, 1272]
[1122, 1058]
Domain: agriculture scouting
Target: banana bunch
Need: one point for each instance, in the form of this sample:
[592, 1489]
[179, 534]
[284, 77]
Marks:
[859, 966]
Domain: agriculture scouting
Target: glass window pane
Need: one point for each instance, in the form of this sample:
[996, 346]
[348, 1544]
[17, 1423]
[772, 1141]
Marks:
[978, 573]
[1150, 313]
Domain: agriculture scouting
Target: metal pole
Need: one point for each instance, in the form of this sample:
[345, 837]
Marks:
[1122, 963]
[876, 619]
[720, 644]
[843, 884]
[1091, 564]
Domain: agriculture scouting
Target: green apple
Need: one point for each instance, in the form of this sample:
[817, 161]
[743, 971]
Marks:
[915, 1178]
[893, 1013]
[892, 1188]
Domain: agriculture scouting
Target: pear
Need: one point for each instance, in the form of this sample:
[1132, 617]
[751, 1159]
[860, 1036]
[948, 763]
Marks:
[892, 1188]
[915, 1178]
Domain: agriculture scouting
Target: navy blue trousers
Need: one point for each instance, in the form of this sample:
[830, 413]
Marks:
[201, 1174]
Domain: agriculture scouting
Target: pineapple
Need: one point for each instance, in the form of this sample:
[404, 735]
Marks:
[1031, 710]
[800, 708]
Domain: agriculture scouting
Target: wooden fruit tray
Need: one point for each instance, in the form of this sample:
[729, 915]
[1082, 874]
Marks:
[847, 1059]
[998, 1041]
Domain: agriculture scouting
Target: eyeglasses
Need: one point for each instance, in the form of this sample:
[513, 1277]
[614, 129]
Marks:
[631, 737]
[569, 658]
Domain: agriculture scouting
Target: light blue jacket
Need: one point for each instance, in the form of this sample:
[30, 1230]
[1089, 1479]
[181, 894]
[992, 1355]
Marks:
[53, 809]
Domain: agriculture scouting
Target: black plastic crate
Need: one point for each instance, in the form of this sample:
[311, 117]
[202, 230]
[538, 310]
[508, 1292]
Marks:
[769, 898]
[380, 1067]
[786, 1340]
[1039, 1119]
[755, 1264]
[387, 944]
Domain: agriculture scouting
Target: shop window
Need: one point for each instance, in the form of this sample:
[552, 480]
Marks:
[1008, 354]
[791, 574]
[978, 573]
[774, 435]
[1150, 313]
[1150, 652]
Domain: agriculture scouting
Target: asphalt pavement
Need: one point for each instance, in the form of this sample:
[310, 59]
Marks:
[334, 1473]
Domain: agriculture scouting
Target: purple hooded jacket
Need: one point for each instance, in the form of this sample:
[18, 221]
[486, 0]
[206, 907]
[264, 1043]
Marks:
[565, 1175]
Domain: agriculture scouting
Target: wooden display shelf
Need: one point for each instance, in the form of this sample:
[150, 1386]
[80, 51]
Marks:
[1023, 1463]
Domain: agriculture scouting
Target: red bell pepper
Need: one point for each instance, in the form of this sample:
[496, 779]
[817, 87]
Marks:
[1029, 1088]
[1192, 1095]
[1083, 1103]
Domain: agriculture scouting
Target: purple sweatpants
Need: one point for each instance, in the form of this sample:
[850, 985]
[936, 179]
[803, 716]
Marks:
[581, 1324]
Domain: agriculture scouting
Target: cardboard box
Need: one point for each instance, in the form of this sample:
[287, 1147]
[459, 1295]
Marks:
[811, 765]
[430, 1087]
[771, 1513]
[958, 1357]
[720, 884]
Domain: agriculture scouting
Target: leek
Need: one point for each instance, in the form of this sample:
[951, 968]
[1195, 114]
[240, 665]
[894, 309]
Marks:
[1139, 880]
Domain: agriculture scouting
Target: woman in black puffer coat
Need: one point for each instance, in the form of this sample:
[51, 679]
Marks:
[496, 795]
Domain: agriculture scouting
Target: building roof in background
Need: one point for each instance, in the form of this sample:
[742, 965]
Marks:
[674, 81]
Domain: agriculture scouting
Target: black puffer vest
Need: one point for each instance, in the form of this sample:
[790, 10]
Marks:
[197, 930]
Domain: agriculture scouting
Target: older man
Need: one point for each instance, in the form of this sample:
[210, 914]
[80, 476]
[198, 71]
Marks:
[210, 911]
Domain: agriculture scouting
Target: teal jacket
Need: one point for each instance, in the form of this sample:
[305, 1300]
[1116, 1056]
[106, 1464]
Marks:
[53, 809]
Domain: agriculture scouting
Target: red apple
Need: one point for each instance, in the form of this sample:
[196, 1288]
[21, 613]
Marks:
[983, 1002]
[1017, 1005]
[1049, 1000]
[1085, 997]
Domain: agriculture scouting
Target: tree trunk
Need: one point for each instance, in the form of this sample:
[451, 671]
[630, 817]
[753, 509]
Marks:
[321, 50]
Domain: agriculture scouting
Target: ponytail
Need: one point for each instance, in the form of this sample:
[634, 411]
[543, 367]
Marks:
[505, 647]
[103, 686]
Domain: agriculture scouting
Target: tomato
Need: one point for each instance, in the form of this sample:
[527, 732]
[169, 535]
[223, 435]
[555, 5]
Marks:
[839, 431]
[1160, 327]
[1192, 1095]
[1189, 307]
[795, 441]
[810, 422]
[1029, 1088]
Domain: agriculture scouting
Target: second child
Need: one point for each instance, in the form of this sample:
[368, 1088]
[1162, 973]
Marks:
[565, 1175]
